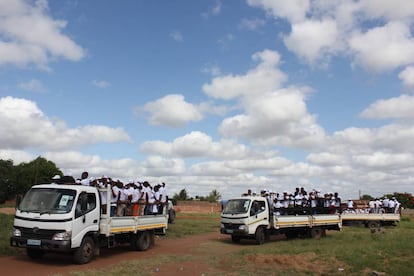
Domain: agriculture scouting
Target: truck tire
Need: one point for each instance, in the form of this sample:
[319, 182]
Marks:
[143, 240]
[291, 234]
[171, 216]
[316, 233]
[34, 254]
[235, 239]
[85, 252]
[260, 235]
[373, 224]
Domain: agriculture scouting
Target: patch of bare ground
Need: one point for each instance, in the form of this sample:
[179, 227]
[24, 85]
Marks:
[301, 263]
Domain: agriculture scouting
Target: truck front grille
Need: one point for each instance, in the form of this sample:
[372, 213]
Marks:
[37, 233]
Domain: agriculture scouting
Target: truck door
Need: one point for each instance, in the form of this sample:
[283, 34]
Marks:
[86, 217]
[259, 215]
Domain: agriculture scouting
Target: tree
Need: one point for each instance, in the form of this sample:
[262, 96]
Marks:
[366, 197]
[6, 179]
[37, 171]
[182, 195]
[214, 196]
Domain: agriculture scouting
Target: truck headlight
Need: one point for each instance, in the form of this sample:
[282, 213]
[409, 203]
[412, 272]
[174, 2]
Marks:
[243, 227]
[16, 232]
[221, 225]
[62, 236]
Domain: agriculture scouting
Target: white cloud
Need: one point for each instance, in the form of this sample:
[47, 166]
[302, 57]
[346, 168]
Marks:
[162, 167]
[264, 78]
[177, 36]
[172, 110]
[407, 77]
[376, 34]
[292, 10]
[18, 156]
[21, 121]
[197, 144]
[276, 118]
[401, 107]
[313, 39]
[44, 42]
[383, 48]
[389, 10]
[33, 85]
[101, 83]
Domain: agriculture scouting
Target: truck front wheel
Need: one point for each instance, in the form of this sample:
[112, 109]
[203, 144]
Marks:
[34, 254]
[85, 252]
[260, 235]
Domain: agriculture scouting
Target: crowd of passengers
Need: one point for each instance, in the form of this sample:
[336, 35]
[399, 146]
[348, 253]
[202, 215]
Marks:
[301, 202]
[376, 206]
[132, 198]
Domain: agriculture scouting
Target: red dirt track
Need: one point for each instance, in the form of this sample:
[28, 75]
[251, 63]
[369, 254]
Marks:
[62, 264]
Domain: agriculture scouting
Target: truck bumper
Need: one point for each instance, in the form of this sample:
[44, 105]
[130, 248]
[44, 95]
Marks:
[48, 245]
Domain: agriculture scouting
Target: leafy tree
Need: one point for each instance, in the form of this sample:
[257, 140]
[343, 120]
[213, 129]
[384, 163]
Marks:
[366, 197]
[6, 179]
[214, 196]
[182, 195]
[37, 171]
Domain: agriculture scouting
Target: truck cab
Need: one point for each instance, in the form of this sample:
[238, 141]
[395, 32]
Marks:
[246, 217]
[69, 218]
[250, 217]
[55, 217]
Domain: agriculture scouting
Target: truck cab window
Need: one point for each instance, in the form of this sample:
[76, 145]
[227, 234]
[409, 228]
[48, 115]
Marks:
[257, 207]
[86, 203]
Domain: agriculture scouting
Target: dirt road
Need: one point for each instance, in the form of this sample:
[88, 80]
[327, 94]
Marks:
[63, 265]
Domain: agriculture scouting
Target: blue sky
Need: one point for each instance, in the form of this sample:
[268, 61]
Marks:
[204, 95]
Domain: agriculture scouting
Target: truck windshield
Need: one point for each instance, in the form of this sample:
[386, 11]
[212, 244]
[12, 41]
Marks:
[236, 206]
[48, 201]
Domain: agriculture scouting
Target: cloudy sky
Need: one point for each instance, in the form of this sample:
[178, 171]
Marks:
[204, 95]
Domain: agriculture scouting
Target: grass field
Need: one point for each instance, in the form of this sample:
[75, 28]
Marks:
[353, 251]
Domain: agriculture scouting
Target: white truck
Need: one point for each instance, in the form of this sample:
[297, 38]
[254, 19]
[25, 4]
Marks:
[249, 217]
[69, 218]
[370, 220]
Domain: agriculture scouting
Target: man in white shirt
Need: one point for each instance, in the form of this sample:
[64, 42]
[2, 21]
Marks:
[123, 200]
[85, 181]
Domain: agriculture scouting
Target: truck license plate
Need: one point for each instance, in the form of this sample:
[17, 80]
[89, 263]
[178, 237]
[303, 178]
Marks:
[229, 231]
[34, 242]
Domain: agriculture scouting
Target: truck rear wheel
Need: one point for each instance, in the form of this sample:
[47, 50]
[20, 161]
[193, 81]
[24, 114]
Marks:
[85, 252]
[143, 241]
[316, 233]
[34, 254]
[260, 235]
[373, 224]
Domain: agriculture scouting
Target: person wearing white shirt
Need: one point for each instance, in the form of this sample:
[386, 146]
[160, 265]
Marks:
[123, 200]
[116, 191]
[85, 181]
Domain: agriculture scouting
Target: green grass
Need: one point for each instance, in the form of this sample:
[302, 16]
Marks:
[192, 224]
[6, 224]
[355, 249]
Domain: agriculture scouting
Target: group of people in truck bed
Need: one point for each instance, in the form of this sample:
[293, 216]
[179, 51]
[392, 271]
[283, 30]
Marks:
[301, 202]
[132, 198]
